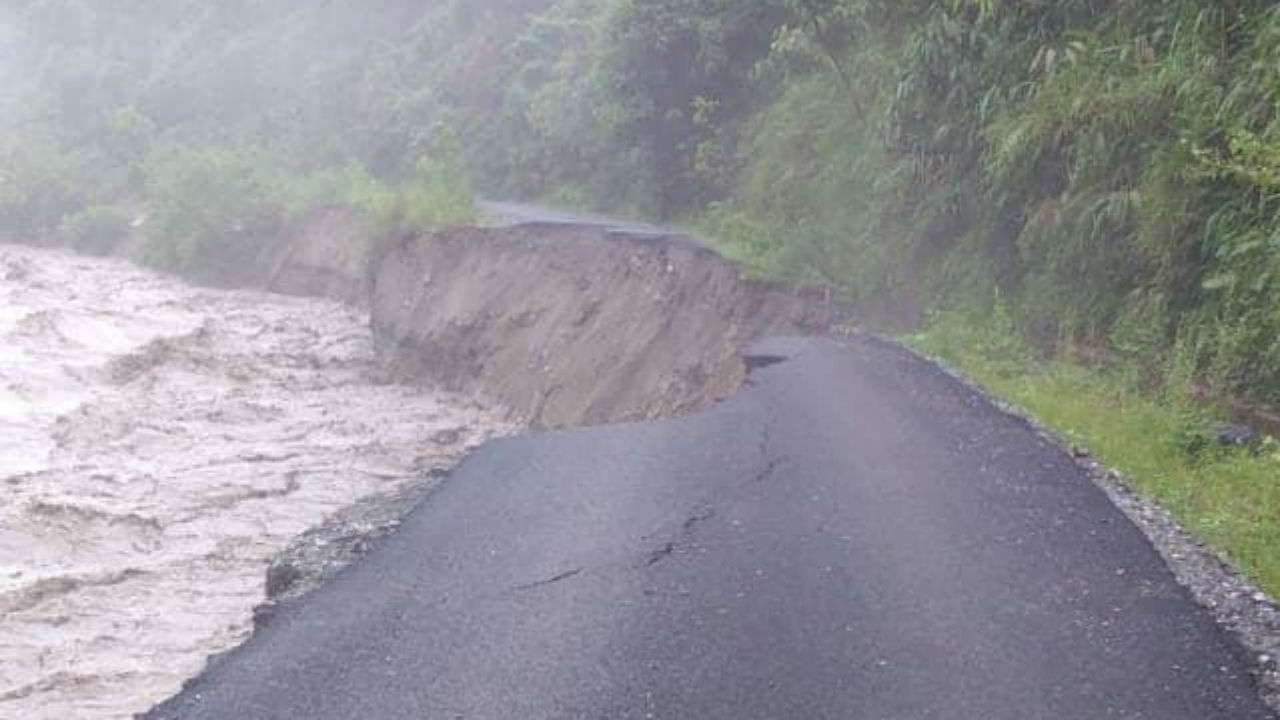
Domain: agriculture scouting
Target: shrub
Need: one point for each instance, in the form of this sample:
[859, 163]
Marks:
[40, 183]
[213, 210]
[987, 340]
[349, 186]
[438, 193]
[96, 230]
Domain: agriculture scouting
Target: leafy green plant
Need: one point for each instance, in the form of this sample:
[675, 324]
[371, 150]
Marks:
[437, 194]
[350, 186]
[213, 212]
[40, 183]
[97, 230]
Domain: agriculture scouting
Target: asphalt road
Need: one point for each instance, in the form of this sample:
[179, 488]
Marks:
[522, 214]
[854, 536]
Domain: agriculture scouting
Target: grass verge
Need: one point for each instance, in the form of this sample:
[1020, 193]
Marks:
[1228, 497]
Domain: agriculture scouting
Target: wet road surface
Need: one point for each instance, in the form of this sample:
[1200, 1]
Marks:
[855, 535]
[523, 214]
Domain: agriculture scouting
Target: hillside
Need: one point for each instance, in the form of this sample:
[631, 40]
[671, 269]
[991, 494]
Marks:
[1075, 202]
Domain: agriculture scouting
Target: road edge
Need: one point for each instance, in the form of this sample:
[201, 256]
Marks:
[1246, 614]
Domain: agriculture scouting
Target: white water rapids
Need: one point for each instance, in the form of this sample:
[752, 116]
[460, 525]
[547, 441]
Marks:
[158, 445]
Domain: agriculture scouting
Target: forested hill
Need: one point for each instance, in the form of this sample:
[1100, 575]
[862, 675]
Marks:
[1099, 172]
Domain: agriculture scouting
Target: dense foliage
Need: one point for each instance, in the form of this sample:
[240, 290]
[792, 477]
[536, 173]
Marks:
[207, 126]
[1107, 170]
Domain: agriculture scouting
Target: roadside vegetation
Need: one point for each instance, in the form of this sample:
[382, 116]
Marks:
[1101, 176]
[1163, 442]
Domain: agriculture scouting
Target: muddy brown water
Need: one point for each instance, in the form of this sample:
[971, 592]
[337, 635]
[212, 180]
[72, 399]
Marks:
[160, 444]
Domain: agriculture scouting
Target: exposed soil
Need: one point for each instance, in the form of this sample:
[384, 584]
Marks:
[570, 326]
[326, 255]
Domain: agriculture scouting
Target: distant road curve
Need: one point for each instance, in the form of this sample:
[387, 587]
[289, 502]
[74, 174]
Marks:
[519, 214]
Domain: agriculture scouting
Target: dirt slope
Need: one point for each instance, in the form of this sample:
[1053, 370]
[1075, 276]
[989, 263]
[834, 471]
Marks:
[569, 325]
[325, 255]
[562, 323]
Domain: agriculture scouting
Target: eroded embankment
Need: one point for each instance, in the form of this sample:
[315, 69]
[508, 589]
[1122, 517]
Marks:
[562, 324]
[166, 443]
[326, 255]
[569, 326]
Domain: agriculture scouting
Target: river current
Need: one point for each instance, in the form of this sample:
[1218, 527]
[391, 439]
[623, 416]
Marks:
[159, 443]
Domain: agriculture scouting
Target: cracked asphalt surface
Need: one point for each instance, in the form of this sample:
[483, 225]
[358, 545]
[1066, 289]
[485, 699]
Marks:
[854, 535]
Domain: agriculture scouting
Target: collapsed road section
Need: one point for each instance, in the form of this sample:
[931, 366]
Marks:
[561, 324]
[854, 535]
[169, 446]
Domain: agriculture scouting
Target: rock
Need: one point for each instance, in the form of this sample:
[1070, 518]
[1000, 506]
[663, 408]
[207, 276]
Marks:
[450, 436]
[1234, 435]
[282, 574]
[263, 614]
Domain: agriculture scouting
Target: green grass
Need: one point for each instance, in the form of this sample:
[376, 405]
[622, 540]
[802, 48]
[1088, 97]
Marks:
[1228, 497]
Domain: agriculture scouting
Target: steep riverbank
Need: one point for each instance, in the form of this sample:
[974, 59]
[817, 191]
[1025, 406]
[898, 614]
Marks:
[576, 325]
[561, 324]
[551, 324]
[173, 444]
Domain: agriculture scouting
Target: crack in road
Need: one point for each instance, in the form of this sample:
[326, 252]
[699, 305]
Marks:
[700, 517]
[686, 529]
[758, 362]
[661, 553]
[551, 580]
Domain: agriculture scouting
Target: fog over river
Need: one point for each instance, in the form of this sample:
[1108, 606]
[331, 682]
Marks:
[160, 444]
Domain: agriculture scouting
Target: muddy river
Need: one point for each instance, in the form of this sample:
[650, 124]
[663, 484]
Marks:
[159, 443]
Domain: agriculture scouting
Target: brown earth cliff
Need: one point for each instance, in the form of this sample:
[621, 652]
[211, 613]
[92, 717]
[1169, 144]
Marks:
[567, 325]
[561, 325]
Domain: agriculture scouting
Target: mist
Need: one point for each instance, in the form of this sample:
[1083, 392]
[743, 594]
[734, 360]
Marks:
[1074, 203]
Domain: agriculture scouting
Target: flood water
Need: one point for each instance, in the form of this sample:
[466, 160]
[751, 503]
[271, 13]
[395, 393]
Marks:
[158, 444]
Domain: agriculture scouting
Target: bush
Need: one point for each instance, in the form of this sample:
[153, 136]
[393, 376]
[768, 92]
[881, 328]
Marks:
[438, 193]
[213, 211]
[350, 186]
[217, 211]
[40, 183]
[96, 230]
[988, 340]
